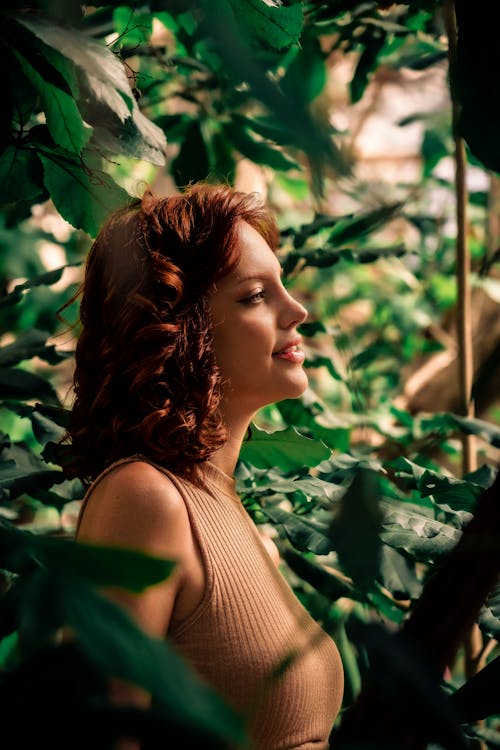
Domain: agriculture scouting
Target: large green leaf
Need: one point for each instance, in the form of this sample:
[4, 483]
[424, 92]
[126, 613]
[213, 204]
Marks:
[84, 198]
[355, 530]
[287, 449]
[106, 100]
[316, 418]
[116, 645]
[103, 565]
[98, 564]
[456, 493]
[292, 112]
[424, 539]
[402, 681]
[62, 115]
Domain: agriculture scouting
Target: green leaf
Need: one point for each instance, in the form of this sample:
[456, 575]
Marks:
[20, 174]
[397, 574]
[478, 698]
[312, 327]
[257, 151]
[275, 26]
[44, 428]
[305, 132]
[62, 115]
[316, 419]
[489, 616]
[318, 360]
[403, 467]
[385, 606]
[356, 527]
[57, 414]
[97, 564]
[9, 650]
[317, 576]
[134, 27]
[104, 565]
[287, 449]
[16, 383]
[114, 643]
[268, 127]
[191, 163]
[457, 493]
[22, 471]
[349, 228]
[305, 533]
[434, 148]
[27, 345]
[44, 279]
[373, 44]
[372, 353]
[84, 198]
[471, 426]
[308, 71]
[423, 538]
[106, 99]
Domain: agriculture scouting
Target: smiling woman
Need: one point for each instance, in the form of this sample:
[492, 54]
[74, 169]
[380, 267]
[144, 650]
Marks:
[256, 344]
[187, 330]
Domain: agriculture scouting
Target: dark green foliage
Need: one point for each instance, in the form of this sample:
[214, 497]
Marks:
[362, 508]
[476, 61]
[478, 698]
[355, 530]
[400, 677]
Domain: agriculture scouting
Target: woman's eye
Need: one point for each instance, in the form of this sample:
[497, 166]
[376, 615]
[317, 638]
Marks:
[253, 298]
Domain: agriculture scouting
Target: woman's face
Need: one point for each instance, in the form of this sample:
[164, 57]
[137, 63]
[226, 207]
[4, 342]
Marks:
[257, 347]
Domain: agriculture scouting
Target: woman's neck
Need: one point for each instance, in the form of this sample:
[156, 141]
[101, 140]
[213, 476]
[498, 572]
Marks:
[226, 457]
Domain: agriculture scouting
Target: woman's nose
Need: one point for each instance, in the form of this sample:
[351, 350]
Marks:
[294, 314]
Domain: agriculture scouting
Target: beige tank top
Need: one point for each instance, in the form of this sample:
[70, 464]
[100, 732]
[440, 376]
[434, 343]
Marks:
[250, 637]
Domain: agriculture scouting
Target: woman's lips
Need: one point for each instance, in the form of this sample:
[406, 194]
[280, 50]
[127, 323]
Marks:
[291, 354]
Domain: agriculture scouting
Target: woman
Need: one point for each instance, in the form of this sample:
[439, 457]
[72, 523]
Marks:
[187, 332]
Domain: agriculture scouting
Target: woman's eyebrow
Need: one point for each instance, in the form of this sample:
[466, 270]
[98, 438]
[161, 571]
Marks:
[258, 276]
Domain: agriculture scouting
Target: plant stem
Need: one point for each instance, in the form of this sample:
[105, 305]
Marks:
[464, 327]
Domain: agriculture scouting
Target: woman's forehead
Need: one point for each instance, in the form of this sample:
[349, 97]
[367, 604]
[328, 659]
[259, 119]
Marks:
[255, 257]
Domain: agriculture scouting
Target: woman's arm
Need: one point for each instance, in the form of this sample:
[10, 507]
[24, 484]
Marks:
[137, 507]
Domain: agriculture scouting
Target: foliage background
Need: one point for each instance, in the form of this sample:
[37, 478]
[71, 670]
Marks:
[360, 482]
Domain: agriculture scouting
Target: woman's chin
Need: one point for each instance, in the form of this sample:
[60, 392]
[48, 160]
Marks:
[298, 387]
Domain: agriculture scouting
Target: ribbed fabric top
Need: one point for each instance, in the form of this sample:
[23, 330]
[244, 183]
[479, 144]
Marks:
[250, 626]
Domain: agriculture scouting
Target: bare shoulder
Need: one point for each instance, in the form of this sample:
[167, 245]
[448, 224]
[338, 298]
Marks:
[136, 505]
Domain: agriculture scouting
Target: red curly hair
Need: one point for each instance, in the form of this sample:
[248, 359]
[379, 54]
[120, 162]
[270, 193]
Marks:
[146, 380]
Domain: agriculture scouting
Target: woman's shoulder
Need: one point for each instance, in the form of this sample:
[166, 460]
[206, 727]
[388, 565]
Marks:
[140, 480]
[133, 500]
